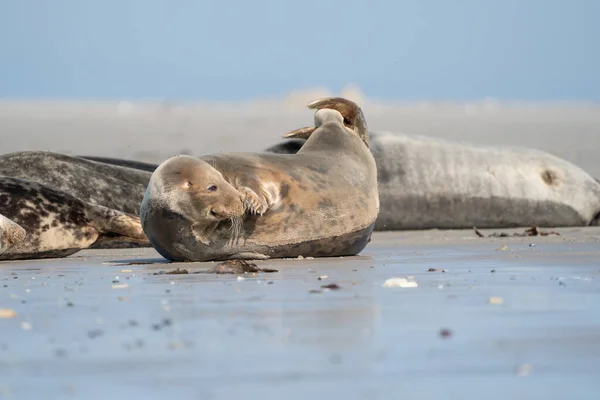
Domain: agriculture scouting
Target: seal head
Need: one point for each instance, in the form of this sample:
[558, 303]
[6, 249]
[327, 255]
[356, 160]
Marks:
[187, 191]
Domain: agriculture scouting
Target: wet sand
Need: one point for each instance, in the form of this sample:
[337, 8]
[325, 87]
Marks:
[493, 318]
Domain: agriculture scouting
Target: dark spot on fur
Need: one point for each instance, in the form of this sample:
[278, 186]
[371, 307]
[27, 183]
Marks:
[550, 177]
[325, 203]
[284, 190]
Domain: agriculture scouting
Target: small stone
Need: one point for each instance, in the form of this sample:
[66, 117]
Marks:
[445, 333]
[120, 286]
[6, 313]
[495, 300]
[331, 286]
[399, 282]
[26, 326]
[322, 277]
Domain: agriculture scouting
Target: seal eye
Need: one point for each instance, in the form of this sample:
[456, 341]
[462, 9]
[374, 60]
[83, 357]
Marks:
[346, 121]
[212, 188]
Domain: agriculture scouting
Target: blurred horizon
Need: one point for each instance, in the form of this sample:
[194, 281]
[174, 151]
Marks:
[403, 51]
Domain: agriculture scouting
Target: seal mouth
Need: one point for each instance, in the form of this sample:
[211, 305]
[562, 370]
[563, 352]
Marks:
[212, 213]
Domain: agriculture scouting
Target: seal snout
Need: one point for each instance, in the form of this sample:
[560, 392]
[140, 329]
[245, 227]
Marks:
[220, 212]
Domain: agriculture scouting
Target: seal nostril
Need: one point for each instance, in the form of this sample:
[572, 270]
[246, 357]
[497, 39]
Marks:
[213, 213]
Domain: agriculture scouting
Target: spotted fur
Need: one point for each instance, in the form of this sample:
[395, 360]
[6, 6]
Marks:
[38, 221]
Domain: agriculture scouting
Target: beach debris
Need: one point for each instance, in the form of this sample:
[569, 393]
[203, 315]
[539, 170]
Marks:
[495, 300]
[240, 278]
[94, 333]
[26, 326]
[331, 286]
[6, 313]
[176, 271]
[226, 267]
[400, 282]
[166, 322]
[134, 263]
[322, 277]
[120, 286]
[238, 267]
[502, 248]
[445, 333]
[436, 270]
[533, 231]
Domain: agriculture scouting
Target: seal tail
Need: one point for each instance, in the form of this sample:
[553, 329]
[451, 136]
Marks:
[115, 225]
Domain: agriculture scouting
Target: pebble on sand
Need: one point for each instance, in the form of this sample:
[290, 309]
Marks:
[400, 282]
[495, 300]
[7, 313]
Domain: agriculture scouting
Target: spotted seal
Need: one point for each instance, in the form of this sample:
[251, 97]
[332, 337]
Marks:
[37, 221]
[430, 183]
[117, 187]
[322, 201]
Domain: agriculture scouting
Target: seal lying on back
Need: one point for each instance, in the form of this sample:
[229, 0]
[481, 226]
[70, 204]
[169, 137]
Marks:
[427, 183]
[37, 221]
[319, 202]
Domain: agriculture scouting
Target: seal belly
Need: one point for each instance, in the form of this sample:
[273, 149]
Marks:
[349, 244]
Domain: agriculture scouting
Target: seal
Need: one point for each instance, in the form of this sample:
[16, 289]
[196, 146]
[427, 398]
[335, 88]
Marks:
[430, 183]
[117, 187]
[37, 221]
[320, 202]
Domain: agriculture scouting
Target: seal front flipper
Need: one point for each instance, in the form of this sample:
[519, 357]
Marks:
[11, 234]
[253, 204]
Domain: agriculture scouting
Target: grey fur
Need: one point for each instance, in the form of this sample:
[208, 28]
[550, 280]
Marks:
[112, 186]
[427, 183]
[322, 201]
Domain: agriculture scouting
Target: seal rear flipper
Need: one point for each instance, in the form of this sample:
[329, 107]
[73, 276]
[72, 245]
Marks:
[11, 234]
[113, 225]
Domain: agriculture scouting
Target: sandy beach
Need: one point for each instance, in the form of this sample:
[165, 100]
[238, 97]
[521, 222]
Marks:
[504, 317]
[500, 317]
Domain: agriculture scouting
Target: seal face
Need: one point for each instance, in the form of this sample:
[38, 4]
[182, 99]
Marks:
[37, 221]
[430, 183]
[322, 201]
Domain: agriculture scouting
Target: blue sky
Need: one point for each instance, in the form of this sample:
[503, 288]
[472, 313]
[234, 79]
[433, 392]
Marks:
[233, 50]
